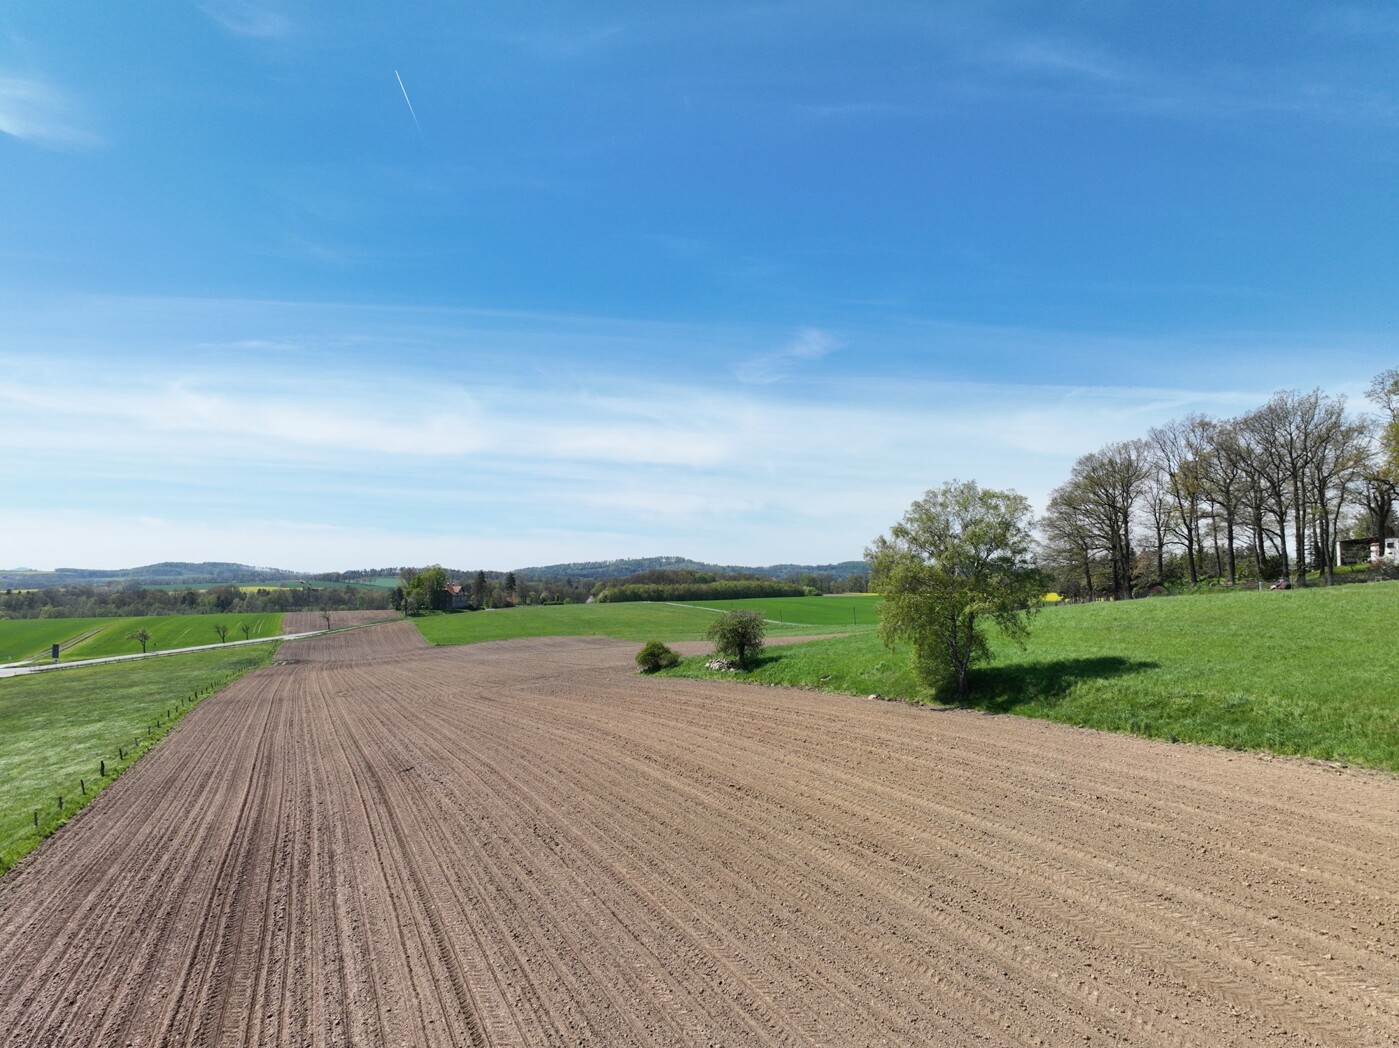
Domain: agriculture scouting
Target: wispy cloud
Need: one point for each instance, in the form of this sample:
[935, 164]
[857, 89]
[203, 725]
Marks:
[1063, 58]
[35, 111]
[243, 18]
[1082, 71]
[810, 344]
[343, 417]
[168, 416]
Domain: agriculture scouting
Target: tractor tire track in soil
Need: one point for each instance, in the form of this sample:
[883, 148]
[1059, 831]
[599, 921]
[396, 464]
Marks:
[376, 842]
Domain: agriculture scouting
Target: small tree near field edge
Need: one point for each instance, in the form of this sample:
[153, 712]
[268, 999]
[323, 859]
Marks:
[737, 634]
[655, 656]
[961, 558]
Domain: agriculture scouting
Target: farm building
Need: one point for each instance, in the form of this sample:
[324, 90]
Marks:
[458, 597]
[1373, 548]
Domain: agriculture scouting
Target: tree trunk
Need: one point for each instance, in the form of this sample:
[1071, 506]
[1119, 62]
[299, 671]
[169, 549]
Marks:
[1299, 530]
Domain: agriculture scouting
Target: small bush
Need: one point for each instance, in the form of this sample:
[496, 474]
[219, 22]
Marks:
[655, 656]
[737, 634]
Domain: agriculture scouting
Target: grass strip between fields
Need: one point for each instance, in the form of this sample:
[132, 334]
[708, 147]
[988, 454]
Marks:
[57, 728]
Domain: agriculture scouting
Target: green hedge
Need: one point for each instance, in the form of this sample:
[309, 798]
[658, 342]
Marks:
[737, 590]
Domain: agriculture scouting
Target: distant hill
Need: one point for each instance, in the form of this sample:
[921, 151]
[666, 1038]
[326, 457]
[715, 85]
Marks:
[604, 569]
[167, 573]
[214, 573]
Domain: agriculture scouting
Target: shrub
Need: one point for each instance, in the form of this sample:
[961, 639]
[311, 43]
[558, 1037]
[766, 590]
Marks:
[655, 656]
[737, 634]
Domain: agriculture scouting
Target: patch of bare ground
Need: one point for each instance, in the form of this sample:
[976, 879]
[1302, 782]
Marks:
[309, 621]
[525, 843]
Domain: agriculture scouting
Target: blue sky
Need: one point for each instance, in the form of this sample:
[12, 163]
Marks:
[734, 281]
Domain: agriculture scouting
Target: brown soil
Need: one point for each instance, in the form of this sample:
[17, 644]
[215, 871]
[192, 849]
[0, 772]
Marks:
[309, 621]
[524, 843]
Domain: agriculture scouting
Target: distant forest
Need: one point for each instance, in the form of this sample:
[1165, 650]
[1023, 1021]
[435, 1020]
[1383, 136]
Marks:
[166, 573]
[132, 591]
[616, 569]
[72, 602]
[508, 589]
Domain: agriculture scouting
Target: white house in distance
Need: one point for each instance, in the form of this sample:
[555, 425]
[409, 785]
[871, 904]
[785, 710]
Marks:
[1381, 550]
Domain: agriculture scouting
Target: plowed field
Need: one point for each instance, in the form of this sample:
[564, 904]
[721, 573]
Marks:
[309, 621]
[523, 843]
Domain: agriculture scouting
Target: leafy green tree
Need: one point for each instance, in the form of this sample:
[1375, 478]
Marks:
[426, 589]
[960, 556]
[1384, 393]
[737, 634]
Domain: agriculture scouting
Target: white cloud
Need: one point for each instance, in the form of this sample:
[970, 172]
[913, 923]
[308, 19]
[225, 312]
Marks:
[1059, 57]
[365, 430]
[627, 442]
[34, 111]
[242, 18]
[810, 344]
[172, 414]
[670, 502]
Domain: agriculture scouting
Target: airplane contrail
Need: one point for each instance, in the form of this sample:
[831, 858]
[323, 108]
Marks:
[409, 101]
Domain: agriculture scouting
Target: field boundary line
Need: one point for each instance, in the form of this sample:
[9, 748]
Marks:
[720, 611]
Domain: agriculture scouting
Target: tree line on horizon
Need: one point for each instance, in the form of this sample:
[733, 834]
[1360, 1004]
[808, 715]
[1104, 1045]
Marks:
[425, 589]
[1266, 494]
[74, 602]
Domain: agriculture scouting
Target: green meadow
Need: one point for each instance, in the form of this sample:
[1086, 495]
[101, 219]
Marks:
[843, 612]
[623, 621]
[56, 726]
[638, 621]
[24, 638]
[1311, 672]
[167, 631]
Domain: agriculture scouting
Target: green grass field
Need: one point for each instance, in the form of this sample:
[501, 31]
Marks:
[844, 612]
[1312, 672]
[636, 621]
[22, 638]
[169, 631]
[56, 726]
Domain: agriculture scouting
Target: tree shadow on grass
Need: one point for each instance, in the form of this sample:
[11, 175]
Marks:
[763, 657]
[1000, 689]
